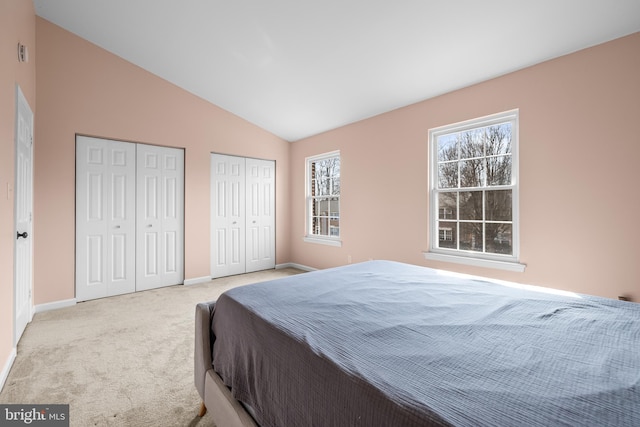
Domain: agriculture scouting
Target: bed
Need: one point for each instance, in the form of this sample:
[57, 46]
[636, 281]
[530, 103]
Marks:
[383, 343]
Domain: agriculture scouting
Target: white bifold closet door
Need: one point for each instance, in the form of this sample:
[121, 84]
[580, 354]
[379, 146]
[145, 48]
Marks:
[105, 218]
[242, 215]
[260, 215]
[159, 224]
[129, 217]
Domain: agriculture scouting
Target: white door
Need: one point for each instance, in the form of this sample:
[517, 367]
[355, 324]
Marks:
[260, 215]
[227, 215]
[105, 218]
[23, 261]
[160, 189]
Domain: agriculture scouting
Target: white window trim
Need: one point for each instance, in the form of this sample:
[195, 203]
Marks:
[323, 240]
[476, 262]
[502, 262]
[314, 238]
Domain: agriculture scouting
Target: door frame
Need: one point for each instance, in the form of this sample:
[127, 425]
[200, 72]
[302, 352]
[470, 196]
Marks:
[182, 189]
[213, 242]
[22, 105]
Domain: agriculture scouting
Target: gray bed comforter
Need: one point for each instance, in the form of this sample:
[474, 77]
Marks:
[389, 344]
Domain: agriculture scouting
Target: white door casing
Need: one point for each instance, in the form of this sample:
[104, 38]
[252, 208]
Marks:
[23, 216]
[260, 215]
[129, 217]
[105, 218]
[227, 215]
[160, 207]
[242, 215]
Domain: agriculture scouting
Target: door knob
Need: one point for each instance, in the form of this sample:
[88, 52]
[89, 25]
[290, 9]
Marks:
[23, 235]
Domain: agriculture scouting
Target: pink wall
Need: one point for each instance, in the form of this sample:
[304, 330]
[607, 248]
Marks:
[579, 177]
[17, 24]
[84, 89]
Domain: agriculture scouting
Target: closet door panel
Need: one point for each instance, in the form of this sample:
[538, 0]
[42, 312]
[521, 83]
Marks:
[260, 214]
[105, 218]
[122, 211]
[148, 247]
[227, 215]
[160, 198]
[172, 216]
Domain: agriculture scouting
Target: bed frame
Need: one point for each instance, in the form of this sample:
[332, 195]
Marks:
[216, 396]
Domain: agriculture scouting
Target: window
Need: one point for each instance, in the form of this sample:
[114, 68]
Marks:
[323, 199]
[474, 192]
[445, 234]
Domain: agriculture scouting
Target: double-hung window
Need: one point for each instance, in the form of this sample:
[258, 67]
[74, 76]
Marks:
[323, 199]
[474, 192]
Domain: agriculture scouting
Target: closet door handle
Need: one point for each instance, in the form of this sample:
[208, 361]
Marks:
[23, 235]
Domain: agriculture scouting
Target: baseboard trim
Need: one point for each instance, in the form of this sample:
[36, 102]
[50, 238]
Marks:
[7, 367]
[196, 280]
[294, 265]
[55, 305]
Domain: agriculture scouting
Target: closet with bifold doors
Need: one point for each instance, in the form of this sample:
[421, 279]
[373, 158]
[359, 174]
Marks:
[242, 215]
[129, 217]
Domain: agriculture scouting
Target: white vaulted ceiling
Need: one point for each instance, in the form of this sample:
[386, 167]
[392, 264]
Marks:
[297, 67]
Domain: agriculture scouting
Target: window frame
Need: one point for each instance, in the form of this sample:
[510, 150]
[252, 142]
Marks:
[468, 257]
[330, 239]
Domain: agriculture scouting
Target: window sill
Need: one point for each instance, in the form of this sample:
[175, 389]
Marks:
[476, 262]
[323, 241]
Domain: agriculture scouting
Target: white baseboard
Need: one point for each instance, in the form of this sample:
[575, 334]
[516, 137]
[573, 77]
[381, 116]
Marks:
[294, 265]
[196, 280]
[7, 367]
[55, 305]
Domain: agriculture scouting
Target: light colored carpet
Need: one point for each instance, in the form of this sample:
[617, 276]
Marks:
[120, 361]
